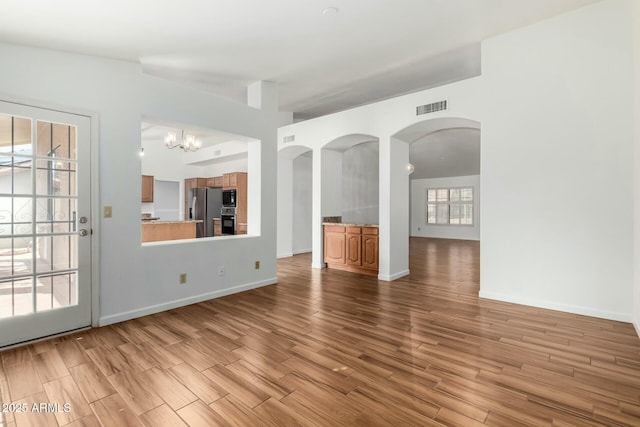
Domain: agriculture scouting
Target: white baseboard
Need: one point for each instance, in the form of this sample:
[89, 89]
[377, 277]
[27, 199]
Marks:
[302, 251]
[392, 277]
[585, 311]
[636, 325]
[145, 311]
[285, 255]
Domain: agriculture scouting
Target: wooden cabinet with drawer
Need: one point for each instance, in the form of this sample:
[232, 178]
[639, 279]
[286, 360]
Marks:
[147, 188]
[351, 247]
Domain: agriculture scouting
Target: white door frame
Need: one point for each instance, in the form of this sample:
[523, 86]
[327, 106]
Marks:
[94, 145]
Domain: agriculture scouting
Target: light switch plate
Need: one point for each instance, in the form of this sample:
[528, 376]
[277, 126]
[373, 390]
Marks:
[107, 211]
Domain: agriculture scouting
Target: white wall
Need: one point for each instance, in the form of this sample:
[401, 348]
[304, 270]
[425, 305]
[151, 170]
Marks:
[331, 183]
[636, 166]
[557, 128]
[302, 203]
[557, 150]
[133, 279]
[166, 200]
[419, 228]
[225, 166]
[360, 189]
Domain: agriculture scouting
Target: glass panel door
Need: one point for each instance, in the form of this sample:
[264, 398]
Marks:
[45, 239]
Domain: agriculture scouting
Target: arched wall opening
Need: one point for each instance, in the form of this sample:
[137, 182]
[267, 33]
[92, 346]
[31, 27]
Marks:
[294, 205]
[350, 179]
[445, 154]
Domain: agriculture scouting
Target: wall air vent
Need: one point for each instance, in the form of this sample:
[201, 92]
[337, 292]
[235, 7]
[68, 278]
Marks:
[290, 138]
[431, 108]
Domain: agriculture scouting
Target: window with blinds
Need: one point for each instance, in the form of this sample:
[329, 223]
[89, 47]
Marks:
[449, 206]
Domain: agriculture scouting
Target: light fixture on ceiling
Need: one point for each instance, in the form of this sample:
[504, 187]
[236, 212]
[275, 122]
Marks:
[330, 11]
[410, 168]
[187, 142]
[141, 152]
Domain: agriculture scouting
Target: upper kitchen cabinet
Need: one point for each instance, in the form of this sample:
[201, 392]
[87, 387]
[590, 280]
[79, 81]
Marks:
[215, 182]
[234, 180]
[147, 188]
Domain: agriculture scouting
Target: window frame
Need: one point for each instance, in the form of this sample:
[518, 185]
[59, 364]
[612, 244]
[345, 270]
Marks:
[449, 203]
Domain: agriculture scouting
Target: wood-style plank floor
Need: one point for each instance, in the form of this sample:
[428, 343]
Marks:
[330, 348]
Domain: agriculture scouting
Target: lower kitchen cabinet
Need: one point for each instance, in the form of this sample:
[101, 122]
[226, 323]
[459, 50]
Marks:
[334, 244]
[354, 246]
[241, 229]
[370, 251]
[351, 248]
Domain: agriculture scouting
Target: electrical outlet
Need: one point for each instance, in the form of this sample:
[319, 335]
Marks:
[221, 270]
[107, 211]
[183, 278]
[257, 265]
[418, 228]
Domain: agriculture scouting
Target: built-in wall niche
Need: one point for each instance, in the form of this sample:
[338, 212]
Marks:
[360, 183]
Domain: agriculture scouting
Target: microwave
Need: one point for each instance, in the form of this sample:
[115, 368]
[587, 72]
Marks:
[229, 198]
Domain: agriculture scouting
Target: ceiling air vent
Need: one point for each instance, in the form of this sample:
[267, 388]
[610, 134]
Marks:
[217, 152]
[290, 138]
[431, 108]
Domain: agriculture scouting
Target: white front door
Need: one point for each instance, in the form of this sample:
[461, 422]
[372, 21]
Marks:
[45, 222]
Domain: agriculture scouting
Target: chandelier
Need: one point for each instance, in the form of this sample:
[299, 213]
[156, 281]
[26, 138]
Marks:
[187, 142]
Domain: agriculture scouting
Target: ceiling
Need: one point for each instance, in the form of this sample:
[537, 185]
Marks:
[446, 153]
[323, 62]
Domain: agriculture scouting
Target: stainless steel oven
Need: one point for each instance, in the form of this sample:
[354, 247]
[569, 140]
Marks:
[228, 220]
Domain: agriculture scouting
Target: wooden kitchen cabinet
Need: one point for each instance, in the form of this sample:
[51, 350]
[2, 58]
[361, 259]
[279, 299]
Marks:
[190, 183]
[354, 246]
[147, 188]
[241, 229]
[230, 180]
[217, 227]
[370, 248]
[351, 248]
[334, 244]
[214, 182]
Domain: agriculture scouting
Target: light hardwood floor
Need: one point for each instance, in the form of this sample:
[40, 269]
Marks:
[331, 348]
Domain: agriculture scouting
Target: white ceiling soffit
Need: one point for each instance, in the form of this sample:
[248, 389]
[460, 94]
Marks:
[369, 50]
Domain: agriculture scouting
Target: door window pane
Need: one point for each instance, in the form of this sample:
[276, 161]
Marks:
[56, 291]
[16, 297]
[15, 135]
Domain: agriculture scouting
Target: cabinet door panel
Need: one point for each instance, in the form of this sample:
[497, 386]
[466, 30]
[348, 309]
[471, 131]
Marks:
[370, 251]
[334, 248]
[354, 249]
[147, 188]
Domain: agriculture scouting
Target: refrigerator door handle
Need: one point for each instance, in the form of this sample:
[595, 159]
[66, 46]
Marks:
[193, 208]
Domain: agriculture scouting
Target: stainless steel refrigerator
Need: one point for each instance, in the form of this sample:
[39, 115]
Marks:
[205, 205]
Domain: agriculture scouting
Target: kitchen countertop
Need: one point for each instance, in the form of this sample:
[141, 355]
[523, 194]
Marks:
[347, 224]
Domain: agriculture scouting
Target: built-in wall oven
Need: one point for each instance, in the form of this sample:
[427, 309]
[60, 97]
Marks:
[228, 220]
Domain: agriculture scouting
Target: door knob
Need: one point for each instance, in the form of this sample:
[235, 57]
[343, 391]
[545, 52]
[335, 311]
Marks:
[83, 232]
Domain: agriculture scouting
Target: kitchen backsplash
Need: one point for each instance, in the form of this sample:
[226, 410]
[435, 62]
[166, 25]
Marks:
[335, 219]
